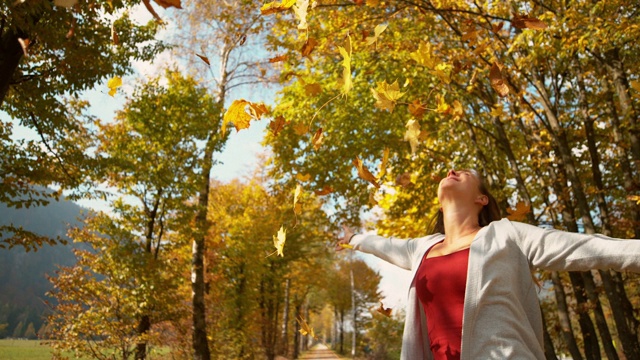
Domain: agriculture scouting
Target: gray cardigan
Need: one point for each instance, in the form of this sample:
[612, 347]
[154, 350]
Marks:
[501, 318]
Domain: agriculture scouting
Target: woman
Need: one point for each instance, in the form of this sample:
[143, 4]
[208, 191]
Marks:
[472, 295]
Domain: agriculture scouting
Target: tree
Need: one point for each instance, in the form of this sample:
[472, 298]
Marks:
[529, 95]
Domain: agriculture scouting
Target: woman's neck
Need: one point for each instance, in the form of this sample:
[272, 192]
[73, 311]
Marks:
[459, 224]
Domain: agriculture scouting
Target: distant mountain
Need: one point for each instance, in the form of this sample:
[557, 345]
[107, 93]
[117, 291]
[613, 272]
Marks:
[22, 274]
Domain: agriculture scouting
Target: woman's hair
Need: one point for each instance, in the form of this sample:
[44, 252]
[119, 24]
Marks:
[489, 212]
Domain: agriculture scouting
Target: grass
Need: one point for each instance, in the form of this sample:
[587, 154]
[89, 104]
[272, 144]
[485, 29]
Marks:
[18, 349]
[12, 349]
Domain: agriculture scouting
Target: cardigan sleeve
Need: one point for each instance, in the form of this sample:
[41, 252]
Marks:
[560, 250]
[396, 251]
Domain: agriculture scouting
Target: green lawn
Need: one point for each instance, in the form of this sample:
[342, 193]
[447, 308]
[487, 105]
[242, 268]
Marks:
[34, 350]
[23, 349]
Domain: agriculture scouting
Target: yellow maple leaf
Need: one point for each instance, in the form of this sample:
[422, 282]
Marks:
[346, 63]
[305, 329]
[275, 7]
[279, 240]
[443, 107]
[303, 177]
[497, 110]
[376, 34]
[297, 207]
[113, 84]
[457, 110]
[386, 95]
[424, 56]
[364, 173]
[238, 115]
[300, 9]
[412, 134]
[519, 213]
[382, 169]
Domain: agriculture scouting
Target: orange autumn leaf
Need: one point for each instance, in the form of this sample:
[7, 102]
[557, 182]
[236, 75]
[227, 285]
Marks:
[525, 22]
[326, 190]
[278, 58]
[276, 125]
[417, 109]
[497, 81]
[317, 139]
[300, 129]
[169, 3]
[204, 58]
[303, 177]
[312, 89]
[519, 213]
[364, 173]
[308, 47]
[257, 110]
[305, 329]
[384, 311]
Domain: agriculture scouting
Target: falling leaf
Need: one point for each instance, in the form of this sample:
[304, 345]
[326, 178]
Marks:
[497, 81]
[443, 107]
[113, 84]
[519, 213]
[364, 173]
[279, 240]
[346, 246]
[376, 34]
[384, 311]
[386, 95]
[382, 169]
[169, 3]
[635, 198]
[326, 190]
[300, 129]
[496, 28]
[412, 134]
[114, 35]
[308, 47]
[275, 7]
[204, 58]
[303, 177]
[372, 199]
[443, 72]
[346, 63]
[404, 180]
[24, 44]
[300, 9]
[524, 22]
[238, 116]
[278, 58]
[417, 109]
[297, 207]
[65, 3]
[312, 89]
[317, 139]
[305, 329]
[276, 125]
[243, 39]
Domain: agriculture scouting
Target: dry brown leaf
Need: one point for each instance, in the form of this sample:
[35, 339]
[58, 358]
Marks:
[519, 213]
[417, 109]
[384, 311]
[169, 3]
[300, 129]
[497, 81]
[317, 139]
[326, 190]
[278, 58]
[204, 58]
[525, 22]
[257, 110]
[364, 173]
[308, 47]
[276, 125]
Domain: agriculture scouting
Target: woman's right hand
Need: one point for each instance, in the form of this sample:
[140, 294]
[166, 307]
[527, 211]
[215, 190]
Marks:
[343, 243]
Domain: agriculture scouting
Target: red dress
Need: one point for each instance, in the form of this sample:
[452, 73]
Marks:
[441, 285]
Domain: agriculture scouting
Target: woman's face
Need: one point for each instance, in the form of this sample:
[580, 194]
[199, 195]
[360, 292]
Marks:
[459, 184]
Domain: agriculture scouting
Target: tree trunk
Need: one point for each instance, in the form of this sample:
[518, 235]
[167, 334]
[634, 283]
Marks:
[284, 348]
[563, 317]
[549, 351]
[144, 325]
[353, 313]
[297, 335]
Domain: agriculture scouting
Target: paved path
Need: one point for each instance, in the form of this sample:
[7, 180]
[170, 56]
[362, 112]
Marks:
[319, 352]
